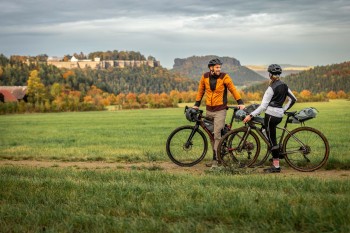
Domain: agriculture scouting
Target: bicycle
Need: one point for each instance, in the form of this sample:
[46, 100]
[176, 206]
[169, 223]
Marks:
[187, 145]
[304, 148]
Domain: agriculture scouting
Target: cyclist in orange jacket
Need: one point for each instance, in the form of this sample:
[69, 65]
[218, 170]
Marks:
[214, 84]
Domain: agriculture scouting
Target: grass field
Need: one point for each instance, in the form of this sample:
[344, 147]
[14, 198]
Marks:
[56, 199]
[70, 200]
[135, 135]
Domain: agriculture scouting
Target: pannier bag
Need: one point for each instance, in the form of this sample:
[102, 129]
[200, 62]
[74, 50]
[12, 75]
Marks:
[257, 119]
[240, 115]
[304, 115]
[209, 124]
[250, 108]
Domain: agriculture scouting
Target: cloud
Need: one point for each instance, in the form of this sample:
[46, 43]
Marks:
[249, 30]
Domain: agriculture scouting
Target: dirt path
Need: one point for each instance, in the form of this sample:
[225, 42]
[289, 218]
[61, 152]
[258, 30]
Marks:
[169, 167]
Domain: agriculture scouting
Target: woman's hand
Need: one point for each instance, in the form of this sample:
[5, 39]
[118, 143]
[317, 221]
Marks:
[247, 119]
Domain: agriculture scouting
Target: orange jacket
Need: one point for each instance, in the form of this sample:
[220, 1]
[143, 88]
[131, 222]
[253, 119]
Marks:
[216, 91]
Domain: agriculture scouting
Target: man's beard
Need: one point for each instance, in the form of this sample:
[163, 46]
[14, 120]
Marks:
[217, 73]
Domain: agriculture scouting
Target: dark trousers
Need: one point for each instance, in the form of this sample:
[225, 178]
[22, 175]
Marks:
[271, 123]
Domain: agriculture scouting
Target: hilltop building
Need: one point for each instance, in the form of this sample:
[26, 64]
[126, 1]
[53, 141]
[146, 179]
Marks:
[98, 64]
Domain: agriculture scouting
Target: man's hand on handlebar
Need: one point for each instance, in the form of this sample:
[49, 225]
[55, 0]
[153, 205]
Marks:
[241, 106]
[195, 107]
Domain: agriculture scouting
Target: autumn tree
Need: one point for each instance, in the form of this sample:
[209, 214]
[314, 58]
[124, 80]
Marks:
[55, 90]
[142, 99]
[332, 95]
[112, 99]
[121, 98]
[68, 73]
[305, 94]
[341, 95]
[36, 89]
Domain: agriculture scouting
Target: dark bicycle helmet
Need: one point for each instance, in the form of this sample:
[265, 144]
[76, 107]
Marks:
[274, 69]
[213, 62]
[191, 114]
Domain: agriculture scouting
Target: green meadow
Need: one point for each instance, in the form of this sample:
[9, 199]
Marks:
[56, 199]
[136, 135]
[71, 200]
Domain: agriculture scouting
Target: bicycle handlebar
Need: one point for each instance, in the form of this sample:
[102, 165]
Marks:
[227, 107]
[232, 107]
[290, 113]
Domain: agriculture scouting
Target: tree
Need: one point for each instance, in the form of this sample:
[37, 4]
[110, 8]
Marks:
[142, 99]
[55, 90]
[36, 89]
[68, 73]
[332, 95]
[341, 95]
[3, 60]
[305, 94]
[130, 98]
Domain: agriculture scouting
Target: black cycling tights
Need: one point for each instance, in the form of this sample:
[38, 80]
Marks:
[271, 123]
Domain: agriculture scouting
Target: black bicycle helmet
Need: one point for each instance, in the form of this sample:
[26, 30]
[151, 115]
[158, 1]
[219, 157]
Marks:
[274, 69]
[191, 114]
[213, 62]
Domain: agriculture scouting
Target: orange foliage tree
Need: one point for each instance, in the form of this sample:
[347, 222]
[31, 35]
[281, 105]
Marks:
[332, 95]
[305, 94]
[68, 73]
[342, 95]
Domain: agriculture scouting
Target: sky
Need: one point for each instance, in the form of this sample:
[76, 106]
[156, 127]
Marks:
[299, 32]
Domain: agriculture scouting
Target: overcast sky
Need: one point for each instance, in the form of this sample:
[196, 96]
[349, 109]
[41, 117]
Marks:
[300, 32]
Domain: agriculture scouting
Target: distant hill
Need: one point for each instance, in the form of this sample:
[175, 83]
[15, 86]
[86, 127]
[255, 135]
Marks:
[193, 67]
[334, 77]
[287, 69]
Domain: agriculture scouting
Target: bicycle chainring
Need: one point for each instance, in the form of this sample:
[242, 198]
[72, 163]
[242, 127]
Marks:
[248, 146]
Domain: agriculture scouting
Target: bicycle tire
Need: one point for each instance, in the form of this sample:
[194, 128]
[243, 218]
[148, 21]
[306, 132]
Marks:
[229, 156]
[310, 157]
[190, 155]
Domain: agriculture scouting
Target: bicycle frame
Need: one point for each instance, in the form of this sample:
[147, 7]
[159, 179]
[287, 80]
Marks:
[252, 126]
[200, 123]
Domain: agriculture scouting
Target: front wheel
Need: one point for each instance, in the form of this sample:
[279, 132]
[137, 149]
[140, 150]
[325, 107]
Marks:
[239, 148]
[305, 149]
[186, 146]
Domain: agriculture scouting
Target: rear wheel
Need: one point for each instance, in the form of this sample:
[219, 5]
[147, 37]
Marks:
[185, 151]
[233, 150]
[306, 149]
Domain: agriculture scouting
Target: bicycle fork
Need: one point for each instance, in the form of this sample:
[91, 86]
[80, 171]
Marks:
[189, 143]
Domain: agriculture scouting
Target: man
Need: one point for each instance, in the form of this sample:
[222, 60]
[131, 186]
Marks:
[215, 84]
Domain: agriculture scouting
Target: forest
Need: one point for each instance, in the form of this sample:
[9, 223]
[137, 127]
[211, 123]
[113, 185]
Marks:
[51, 89]
[335, 77]
[144, 79]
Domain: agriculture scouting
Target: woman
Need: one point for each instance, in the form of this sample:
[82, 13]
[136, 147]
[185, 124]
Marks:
[272, 104]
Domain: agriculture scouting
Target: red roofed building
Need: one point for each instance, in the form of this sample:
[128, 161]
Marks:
[12, 93]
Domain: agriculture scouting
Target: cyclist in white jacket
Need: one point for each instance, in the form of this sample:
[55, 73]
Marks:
[272, 104]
